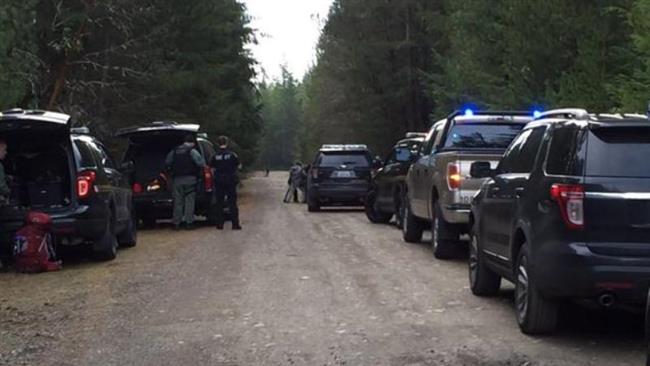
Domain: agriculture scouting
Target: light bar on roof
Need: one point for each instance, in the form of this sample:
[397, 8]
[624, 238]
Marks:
[344, 147]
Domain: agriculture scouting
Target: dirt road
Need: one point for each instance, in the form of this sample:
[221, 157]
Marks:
[291, 289]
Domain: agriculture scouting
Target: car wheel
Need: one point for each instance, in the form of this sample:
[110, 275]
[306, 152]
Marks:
[129, 238]
[535, 314]
[442, 246]
[312, 205]
[412, 226]
[375, 216]
[482, 281]
[399, 209]
[106, 246]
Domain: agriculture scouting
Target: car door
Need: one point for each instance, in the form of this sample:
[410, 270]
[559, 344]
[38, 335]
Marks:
[384, 181]
[512, 188]
[416, 176]
[492, 205]
[119, 184]
[429, 172]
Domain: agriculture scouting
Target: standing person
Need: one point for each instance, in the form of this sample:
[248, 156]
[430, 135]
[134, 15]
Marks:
[225, 164]
[184, 163]
[295, 176]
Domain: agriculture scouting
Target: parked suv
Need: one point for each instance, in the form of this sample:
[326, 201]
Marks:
[339, 175]
[385, 197]
[439, 188]
[148, 147]
[69, 175]
[565, 215]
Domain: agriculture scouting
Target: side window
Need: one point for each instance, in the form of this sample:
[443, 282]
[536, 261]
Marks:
[208, 150]
[509, 160]
[428, 145]
[84, 155]
[529, 150]
[102, 154]
[564, 156]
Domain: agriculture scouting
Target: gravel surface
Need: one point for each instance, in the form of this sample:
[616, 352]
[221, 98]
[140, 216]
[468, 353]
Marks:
[293, 288]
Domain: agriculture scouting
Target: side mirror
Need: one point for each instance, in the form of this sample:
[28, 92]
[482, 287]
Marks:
[481, 169]
[127, 167]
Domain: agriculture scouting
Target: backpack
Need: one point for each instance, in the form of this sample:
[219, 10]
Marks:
[33, 249]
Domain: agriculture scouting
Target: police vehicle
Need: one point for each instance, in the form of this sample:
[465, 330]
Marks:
[340, 175]
[148, 147]
[68, 174]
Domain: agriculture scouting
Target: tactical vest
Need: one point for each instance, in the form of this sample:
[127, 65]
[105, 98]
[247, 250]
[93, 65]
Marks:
[184, 165]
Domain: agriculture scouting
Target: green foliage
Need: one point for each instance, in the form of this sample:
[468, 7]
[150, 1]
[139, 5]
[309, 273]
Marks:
[113, 63]
[386, 67]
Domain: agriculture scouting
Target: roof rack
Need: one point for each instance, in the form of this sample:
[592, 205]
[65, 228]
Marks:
[164, 123]
[349, 147]
[80, 130]
[413, 135]
[575, 113]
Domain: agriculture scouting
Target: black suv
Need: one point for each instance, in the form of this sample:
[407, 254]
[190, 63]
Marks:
[69, 175]
[339, 175]
[565, 215]
[387, 188]
[148, 147]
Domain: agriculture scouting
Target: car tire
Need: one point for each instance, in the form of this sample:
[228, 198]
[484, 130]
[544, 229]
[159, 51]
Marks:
[106, 246]
[482, 280]
[399, 208]
[412, 227]
[441, 231]
[535, 314]
[312, 205]
[129, 238]
[375, 216]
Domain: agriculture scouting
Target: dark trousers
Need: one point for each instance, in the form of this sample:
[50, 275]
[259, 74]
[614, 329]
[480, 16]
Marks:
[222, 191]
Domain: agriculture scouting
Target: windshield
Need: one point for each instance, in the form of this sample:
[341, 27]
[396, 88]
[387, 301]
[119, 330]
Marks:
[482, 136]
[336, 160]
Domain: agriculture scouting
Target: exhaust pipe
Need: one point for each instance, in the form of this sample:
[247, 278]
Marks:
[607, 300]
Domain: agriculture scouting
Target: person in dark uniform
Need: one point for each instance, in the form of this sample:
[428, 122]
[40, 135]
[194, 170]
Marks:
[225, 164]
[184, 163]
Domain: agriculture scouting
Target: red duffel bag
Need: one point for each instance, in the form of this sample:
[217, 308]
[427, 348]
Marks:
[33, 249]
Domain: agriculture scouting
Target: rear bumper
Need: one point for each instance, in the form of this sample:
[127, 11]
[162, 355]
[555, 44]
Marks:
[352, 194]
[162, 207]
[82, 222]
[571, 270]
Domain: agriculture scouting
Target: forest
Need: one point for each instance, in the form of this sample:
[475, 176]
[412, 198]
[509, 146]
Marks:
[385, 67]
[115, 63]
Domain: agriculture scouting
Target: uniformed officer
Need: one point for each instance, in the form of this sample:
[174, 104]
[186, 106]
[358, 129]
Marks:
[184, 163]
[4, 187]
[226, 164]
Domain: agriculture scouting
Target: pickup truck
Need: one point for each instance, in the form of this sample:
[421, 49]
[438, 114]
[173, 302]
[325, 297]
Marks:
[439, 188]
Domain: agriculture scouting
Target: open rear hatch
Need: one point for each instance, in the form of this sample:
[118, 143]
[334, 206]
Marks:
[40, 160]
[617, 190]
[148, 148]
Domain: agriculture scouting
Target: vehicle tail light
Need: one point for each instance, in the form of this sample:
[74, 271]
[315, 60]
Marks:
[86, 183]
[137, 188]
[570, 198]
[453, 176]
[314, 173]
[208, 179]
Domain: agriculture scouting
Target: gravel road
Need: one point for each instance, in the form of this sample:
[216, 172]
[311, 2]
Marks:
[293, 288]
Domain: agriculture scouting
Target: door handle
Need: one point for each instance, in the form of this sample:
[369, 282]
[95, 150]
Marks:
[495, 190]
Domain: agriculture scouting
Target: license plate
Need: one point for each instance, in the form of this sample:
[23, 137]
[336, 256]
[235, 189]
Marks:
[343, 174]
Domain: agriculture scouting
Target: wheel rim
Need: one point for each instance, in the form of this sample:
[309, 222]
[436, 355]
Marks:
[473, 260]
[521, 290]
